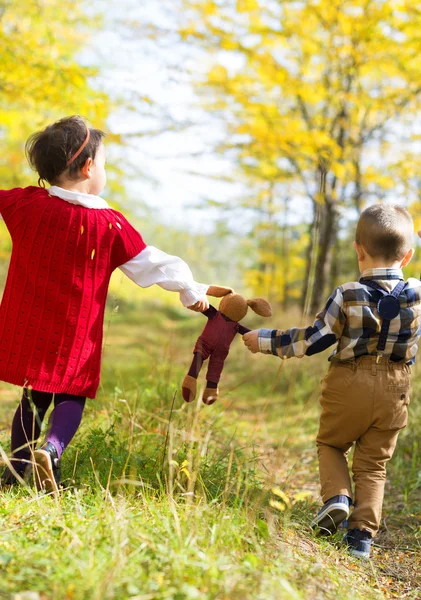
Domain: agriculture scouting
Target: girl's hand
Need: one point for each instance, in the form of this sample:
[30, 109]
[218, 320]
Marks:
[251, 340]
[200, 306]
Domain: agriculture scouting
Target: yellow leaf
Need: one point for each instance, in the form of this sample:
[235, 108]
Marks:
[277, 505]
[185, 470]
[278, 492]
[302, 496]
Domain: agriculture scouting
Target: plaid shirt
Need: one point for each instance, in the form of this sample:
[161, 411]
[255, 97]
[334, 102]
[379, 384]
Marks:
[351, 320]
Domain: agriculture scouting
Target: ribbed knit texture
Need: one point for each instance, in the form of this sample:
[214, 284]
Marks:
[52, 311]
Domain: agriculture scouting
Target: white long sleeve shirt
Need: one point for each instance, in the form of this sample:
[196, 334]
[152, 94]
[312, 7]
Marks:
[152, 266]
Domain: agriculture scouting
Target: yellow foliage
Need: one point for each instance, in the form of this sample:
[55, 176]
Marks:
[40, 78]
[247, 5]
[209, 8]
[218, 75]
[311, 93]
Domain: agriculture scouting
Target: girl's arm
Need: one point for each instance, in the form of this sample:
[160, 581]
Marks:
[152, 266]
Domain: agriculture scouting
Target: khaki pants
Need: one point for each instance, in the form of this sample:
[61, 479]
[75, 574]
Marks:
[366, 403]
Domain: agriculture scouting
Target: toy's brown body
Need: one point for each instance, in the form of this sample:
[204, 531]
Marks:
[215, 341]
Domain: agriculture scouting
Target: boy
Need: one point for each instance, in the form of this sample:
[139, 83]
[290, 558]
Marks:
[365, 395]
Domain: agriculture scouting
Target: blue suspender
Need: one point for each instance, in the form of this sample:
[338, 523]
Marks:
[388, 308]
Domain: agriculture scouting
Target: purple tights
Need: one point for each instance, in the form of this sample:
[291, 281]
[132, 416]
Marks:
[26, 426]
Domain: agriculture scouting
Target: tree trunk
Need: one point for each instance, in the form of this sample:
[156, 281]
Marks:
[328, 234]
[285, 254]
[336, 256]
[312, 240]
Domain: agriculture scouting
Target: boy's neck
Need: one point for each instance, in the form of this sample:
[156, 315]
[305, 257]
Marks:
[379, 264]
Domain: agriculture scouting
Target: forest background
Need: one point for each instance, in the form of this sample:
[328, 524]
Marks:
[245, 136]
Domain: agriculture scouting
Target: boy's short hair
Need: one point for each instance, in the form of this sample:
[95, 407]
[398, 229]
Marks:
[49, 150]
[385, 231]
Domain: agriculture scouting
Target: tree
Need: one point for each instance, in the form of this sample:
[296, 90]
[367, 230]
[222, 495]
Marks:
[318, 97]
[40, 76]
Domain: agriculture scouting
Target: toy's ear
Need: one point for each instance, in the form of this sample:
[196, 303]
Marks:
[260, 306]
[218, 291]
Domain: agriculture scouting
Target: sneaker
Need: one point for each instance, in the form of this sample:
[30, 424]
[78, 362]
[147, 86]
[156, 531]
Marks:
[331, 515]
[359, 543]
[47, 469]
[8, 480]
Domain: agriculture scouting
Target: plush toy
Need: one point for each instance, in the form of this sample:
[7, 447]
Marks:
[215, 340]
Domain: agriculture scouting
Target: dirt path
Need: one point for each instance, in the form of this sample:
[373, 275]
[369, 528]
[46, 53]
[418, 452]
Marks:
[289, 459]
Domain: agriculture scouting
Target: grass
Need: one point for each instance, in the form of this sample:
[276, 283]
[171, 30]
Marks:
[173, 501]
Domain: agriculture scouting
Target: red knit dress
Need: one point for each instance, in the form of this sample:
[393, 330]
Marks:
[52, 311]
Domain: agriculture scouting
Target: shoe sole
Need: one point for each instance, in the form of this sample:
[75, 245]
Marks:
[328, 521]
[43, 473]
[358, 553]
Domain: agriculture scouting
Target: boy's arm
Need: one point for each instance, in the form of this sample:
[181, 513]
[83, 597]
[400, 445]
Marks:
[152, 266]
[325, 331]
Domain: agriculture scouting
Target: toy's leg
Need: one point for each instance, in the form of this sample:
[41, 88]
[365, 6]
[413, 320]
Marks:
[210, 393]
[196, 365]
[189, 385]
[216, 364]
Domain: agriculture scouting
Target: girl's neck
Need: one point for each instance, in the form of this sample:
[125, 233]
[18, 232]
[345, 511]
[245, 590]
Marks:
[81, 187]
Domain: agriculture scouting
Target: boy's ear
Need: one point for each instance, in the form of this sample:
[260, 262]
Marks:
[359, 250]
[218, 291]
[260, 306]
[407, 258]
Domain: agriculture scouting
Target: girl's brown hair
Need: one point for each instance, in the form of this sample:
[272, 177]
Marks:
[49, 151]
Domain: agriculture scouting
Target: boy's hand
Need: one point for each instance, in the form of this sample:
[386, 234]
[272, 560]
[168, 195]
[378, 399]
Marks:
[251, 340]
[200, 306]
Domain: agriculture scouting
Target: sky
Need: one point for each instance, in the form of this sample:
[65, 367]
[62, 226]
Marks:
[174, 173]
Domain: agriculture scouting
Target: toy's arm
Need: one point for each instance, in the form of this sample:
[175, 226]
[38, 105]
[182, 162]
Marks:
[242, 330]
[210, 313]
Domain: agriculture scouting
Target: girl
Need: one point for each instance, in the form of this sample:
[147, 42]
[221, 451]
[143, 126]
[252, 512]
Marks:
[66, 243]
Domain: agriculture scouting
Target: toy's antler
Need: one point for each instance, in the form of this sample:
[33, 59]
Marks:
[218, 291]
[260, 306]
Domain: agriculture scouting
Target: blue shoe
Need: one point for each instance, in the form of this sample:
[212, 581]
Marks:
[331, 515]
[359, 543]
